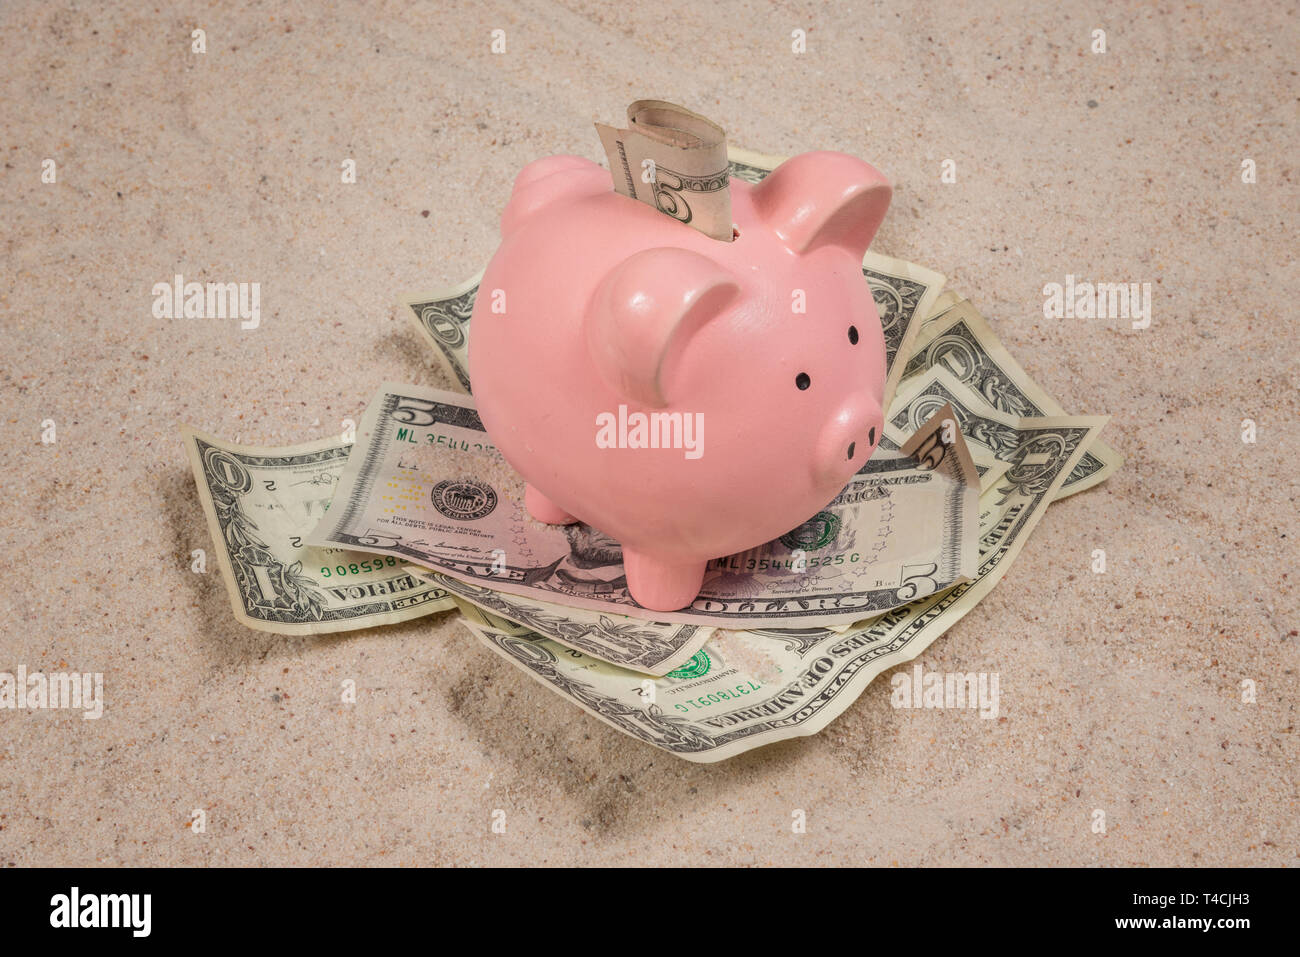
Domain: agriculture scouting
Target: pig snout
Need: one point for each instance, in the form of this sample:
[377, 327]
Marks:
[847, 440]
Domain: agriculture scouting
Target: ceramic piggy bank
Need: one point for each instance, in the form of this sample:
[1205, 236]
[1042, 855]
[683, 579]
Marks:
[691, 398]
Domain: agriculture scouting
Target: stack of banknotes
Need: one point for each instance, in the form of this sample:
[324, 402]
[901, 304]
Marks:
[418, 513]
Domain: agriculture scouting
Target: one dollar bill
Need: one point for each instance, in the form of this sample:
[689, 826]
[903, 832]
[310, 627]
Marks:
[961, 341]
[261, 503]
[652, 647]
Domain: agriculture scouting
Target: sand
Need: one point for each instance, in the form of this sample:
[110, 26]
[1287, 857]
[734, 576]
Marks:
[1121, 692]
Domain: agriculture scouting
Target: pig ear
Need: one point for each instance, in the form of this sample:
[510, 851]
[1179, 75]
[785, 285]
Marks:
[824, 198]
[644, 313]
[544, 181]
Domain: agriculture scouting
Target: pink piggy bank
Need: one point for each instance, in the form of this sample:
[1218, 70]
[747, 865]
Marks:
[688, 397]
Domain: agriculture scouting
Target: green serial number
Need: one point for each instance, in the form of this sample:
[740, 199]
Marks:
[356, 568]
[717, 697]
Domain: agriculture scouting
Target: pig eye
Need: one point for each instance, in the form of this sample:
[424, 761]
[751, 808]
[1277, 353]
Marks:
[853, 335]
[802, 381]
[852, 446]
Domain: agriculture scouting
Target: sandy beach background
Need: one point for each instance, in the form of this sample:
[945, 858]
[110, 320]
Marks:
[1120, 692]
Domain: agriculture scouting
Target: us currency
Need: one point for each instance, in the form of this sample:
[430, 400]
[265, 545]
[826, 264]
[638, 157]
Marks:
[624, 641]
[750, 166]
[962, 342]
[898, 422]
[905, 295]
[425, 483]
[947, 299]
[990, 468]
[749, 688]
[675, 161]
[443, 321]
[711, 708]
[652, 647]
[481, 616]
[990, 430]
[260, 504]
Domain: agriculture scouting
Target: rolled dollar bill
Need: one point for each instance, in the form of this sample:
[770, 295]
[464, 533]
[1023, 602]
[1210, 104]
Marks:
[674, 160]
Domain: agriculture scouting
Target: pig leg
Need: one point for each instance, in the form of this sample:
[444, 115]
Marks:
[659, 585]
[544, 510]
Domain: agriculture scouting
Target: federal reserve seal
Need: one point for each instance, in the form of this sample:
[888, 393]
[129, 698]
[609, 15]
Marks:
[464, 499]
